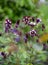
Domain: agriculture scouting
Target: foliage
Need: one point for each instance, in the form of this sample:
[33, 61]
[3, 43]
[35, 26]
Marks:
[16, 9]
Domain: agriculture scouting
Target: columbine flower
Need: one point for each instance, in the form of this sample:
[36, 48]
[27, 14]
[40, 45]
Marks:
[32, 33]
[32, 24]
[17, 24]
[26, 19]
[6, 29]
[38, 20]
[7, 21]
[7, 25]
[3, 54]
[14, 31]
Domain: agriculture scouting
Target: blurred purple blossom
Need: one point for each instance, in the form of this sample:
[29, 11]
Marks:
[32, 24]
[38, 20]
[26, 19]
[33, 33]
[3, 54]
[7, 21]
[17, 39]
[16, 32]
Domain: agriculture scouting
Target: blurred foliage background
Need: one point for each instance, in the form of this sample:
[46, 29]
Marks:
[16, 9]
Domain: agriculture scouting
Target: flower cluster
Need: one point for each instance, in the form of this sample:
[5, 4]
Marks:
[27, 20]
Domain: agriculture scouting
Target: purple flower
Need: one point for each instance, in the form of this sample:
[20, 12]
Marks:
[14, 31]
[17, 39]
[3, 54]
[32, 33]
[26, 19]
[6, 29]
[38, 20]
[32, 24]
[8, 21]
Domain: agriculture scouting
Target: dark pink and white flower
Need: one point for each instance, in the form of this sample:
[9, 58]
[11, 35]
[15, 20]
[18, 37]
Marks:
[7, 25]
[26, 19]
[32, 24]
[33, 33]
[38, 20]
